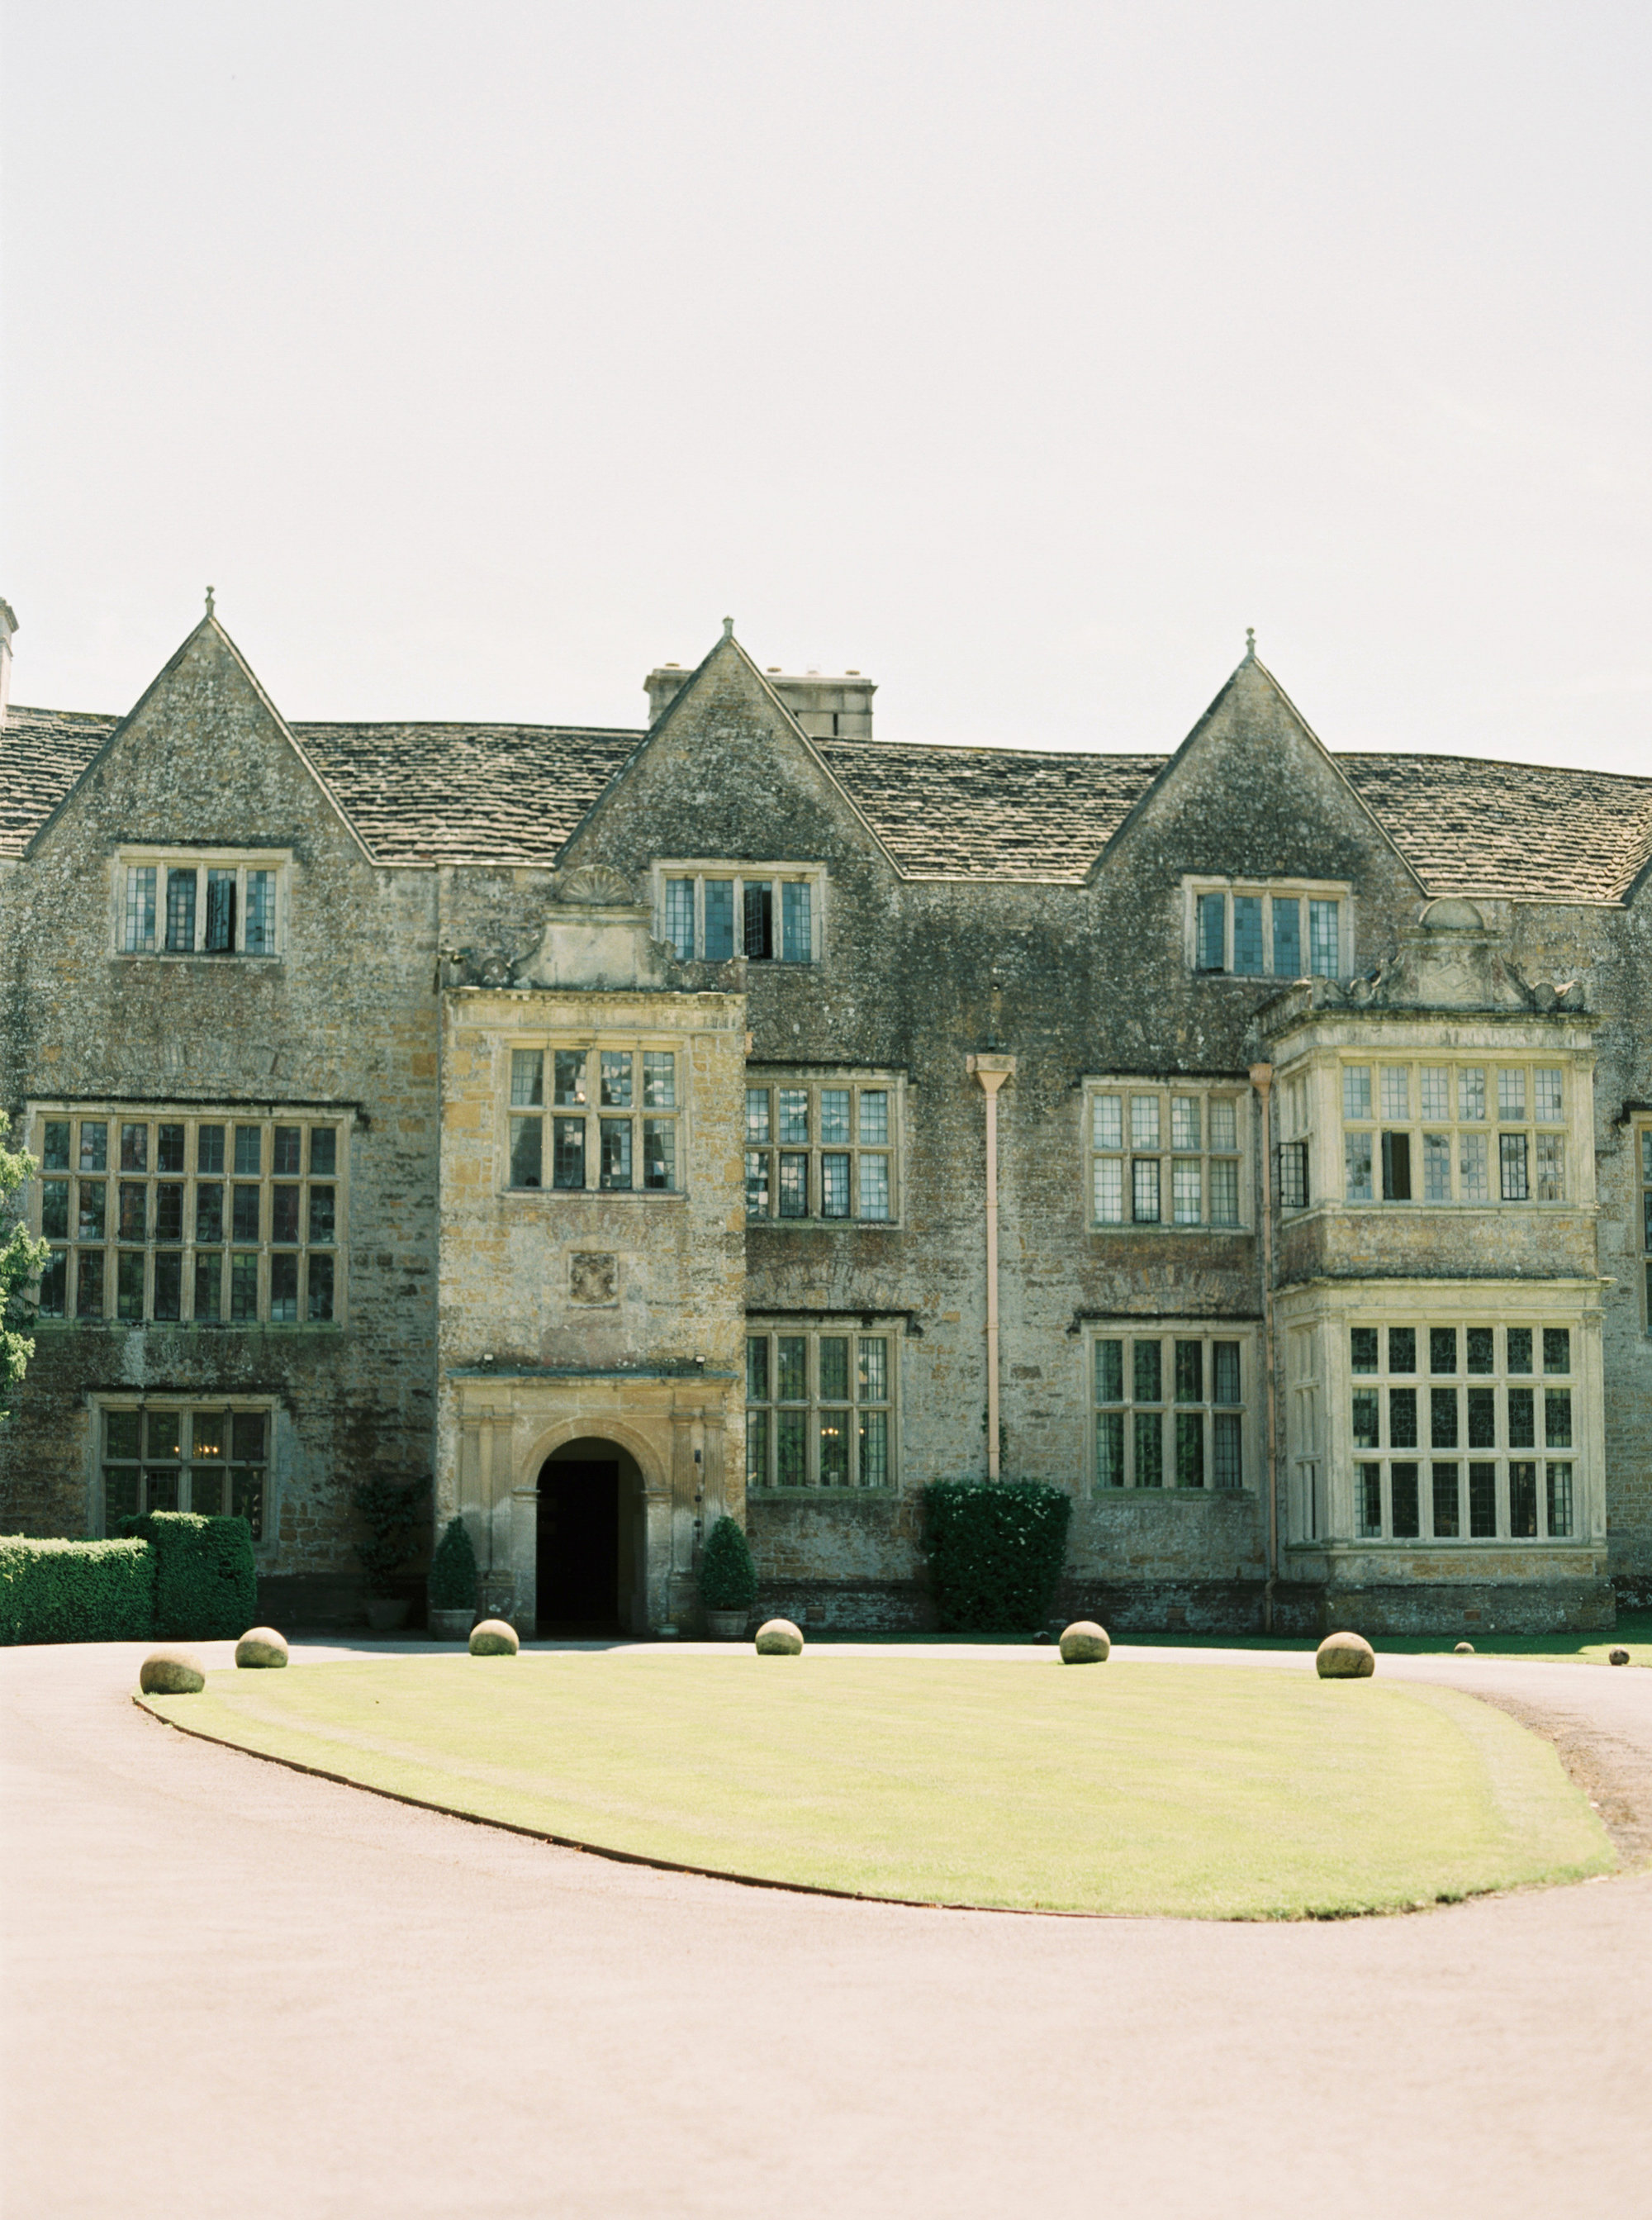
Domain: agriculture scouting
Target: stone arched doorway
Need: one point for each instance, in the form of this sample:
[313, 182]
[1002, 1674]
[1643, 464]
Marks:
[590, 1556]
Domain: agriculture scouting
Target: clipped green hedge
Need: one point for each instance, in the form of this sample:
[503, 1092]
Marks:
[205, 1582]
[76, 1591]
[729, 1580]
[995, 1551]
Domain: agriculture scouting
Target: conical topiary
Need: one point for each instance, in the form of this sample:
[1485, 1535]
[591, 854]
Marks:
[453, 1570]
[728, 1579]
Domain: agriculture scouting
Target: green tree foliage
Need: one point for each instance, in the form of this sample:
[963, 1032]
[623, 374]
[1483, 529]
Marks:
[21, 1260]
[453, 1570]
[728, 1579]
[995, 1551]
[76, 1591]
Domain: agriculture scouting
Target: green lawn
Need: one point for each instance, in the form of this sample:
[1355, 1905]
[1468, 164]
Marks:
[1126, 1787]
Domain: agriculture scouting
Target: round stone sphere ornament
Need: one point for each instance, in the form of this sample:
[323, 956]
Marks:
[172, 1672]
[1463, 1649]
[778, 1637]
[1345, 1657]
[1619, 1658]
[494, 1638]
[261, 1645]
[1084, 1642]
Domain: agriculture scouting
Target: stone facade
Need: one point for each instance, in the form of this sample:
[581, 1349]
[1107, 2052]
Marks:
[769, 1294]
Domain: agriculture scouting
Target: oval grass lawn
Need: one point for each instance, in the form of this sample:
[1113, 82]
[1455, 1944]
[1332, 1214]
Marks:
[1123, 1788]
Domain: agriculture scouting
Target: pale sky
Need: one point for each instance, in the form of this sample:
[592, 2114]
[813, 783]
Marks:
[482, 356]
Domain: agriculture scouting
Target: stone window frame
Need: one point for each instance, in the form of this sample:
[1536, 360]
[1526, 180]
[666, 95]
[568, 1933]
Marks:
[225, 1467]
[1555, 1467]
[309, 1286]
[163, 861]
[871, 1422]
[1104, 1436]
[699, 870]
[1304, 891]
[1095, 1151]
[814, 1079]
[1540, 1137]
[592, 1043]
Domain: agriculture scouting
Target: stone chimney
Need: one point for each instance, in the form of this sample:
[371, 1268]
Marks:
[8, 625]
[828, 706]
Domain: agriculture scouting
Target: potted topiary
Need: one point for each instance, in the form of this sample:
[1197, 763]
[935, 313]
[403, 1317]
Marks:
[390, 1512]
[452, 1584]
[728, 1581]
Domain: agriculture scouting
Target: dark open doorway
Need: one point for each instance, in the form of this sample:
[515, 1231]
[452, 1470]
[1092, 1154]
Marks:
[579, 1544]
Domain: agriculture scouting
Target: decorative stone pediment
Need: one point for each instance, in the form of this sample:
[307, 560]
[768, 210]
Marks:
[1450, 959]
[595, 884]
[589, 941]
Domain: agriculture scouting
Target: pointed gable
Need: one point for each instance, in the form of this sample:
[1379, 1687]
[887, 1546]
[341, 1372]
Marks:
[726, 771]
[1252, 793]
[205, 757]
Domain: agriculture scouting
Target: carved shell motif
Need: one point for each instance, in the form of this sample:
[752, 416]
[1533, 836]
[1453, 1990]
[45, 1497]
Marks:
[593, 882]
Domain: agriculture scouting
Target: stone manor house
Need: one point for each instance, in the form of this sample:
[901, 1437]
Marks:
[748, 1114]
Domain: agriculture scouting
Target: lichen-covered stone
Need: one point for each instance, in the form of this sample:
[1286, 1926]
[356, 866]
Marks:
[1084, 1642]
[172, 1672]
[1464, 1650]
[1345, 1657]
[778, 1637]
[494, 1638]
[261, 1645]
[1619, 1658]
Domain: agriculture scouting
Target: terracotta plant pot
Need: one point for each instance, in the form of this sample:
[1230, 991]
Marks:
[726, 1625]
[451, 1625]
[386, 1613]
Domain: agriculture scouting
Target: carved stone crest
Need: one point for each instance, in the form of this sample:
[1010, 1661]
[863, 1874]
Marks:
[596, 884]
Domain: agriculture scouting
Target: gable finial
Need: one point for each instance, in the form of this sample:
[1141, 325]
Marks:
[728, 628]
[1250, 643]
[208, 601]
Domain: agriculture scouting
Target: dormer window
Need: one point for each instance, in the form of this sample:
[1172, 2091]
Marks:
[766, 913]
[216, 904]
[1269, 929]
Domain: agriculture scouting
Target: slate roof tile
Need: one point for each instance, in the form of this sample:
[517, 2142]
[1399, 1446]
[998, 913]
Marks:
[510, 795]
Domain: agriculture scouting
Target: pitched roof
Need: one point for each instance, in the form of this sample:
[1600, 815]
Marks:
[511, 793]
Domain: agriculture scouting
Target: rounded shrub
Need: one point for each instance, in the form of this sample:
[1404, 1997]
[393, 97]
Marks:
[728, 1579]
[261, 1645]
[453, 1570]
[495, 1637]
[778, 1637]
[172, 1672]
[1084, 1642]
[1345, 1657]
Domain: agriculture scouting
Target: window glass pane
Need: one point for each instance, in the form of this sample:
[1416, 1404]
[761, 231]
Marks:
[659, 1079]
[1396, 1090]
[874, 1368]
[1510, 1092]
[568, 1153]
[1396, 1167]
[1288, 942]
[283, 1214]
[1225, 1372]
[616, 1079]
[1109, 1189]
[1110, 1448]
[1560, 1500]
[1402, 1418]
[834, 1367]
[1442, 1418]
[791, 1354]
[1471, 1091]
[1444, 1477]
[1481, 1349]
[526, 1076]
[1190, 1449]
[244, 1213]
[756, 1114]
[247, 1443]
[206, 1491]
[1146, 1190]
[834, 1185]
[616, 1153]
[1325, 939]
[94, 1144]
[1227, 1449]
[1362, 1349]
[1143, 1121]
[54, 1209]
[757, 1449]
[1511, 1160]
[88, 1283]
[287, 1145]
[208, 1211]
[284, 1289]
[794, 1111]
[243, 1288]
[1187, 1197]
[1365, 1420]
[140, 908]
[1520, 1341]
[1107, 1121]
[1402, 1486]
[246, 1499]
[169, 1211]
[1482, 1501]
[1190, 1372]
[874, 1116]
[1109, 1372]
[134, 1210]
[209, 1148]
[55, 1155]
[1247, 934]
[797, 943]
[1184, 1121]
[1557, 1417]
[321, 1214]
[1212, 932]
[1434, 1091]
[793, 1186]
[1557, 1349]
[1224, 1191]
[1148, 1362]
[791, 1449]
[94, 1209]
[134, 1148]
[758, 910]
[221, 911]
[1367, 1498]
[180, 911]
[874, 1187]
[679, 915]
[1523, 1425]
[319, 1279]
[1436, 1168]
[208, 1285]
[569, 1077]
[1551, 1166]
[719, 920]
[1357, 1155]
[260, 913]
[1522, 1500]
[128, 1284]
[834, 1114]
[1473, 1186]
[249, 1150]
[1482, 1418]
[873, 1448]
[757, 1184]
[1149, 1431]
[120, 1434]
[1443, 1349]
[1356, 1090]
[660, 1153]
[163, 1435]
[162, 1488]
